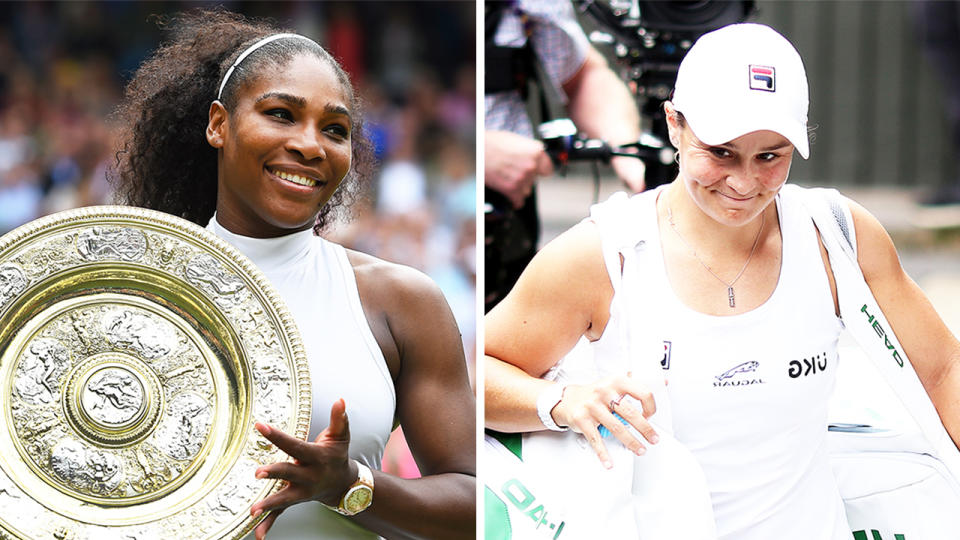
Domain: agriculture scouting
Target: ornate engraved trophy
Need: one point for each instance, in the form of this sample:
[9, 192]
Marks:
[136, 352]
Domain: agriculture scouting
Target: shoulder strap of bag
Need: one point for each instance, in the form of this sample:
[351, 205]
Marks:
[624, 244]
[864, 320]
[670, 493]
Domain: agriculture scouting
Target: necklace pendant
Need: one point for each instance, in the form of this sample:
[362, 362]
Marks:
[730, 296]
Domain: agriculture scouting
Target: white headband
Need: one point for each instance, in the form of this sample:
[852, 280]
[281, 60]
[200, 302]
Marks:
[250, 49]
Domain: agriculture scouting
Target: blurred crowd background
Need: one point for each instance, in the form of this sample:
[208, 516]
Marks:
[63, 67]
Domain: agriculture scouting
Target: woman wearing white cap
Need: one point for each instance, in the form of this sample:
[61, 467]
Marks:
[740, 287]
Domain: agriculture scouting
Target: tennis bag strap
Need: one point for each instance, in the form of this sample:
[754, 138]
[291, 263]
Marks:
[864, 320]
[670, 494]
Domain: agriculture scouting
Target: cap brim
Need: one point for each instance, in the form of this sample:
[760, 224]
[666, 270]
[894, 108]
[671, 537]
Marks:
[719, 130]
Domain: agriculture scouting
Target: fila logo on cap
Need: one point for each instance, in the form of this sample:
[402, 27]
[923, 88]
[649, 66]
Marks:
[763, 78]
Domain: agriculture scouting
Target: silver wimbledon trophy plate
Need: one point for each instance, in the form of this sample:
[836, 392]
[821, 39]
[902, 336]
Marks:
[137, 350]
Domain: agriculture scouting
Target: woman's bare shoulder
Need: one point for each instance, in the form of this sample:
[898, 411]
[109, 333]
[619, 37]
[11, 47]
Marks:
[390, 282]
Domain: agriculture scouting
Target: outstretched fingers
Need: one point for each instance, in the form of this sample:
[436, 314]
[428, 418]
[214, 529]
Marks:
[290, 472]
[319, 470]
[339, 427]
[293, 446]
[337, 432]
[289, 495]
[261, 531]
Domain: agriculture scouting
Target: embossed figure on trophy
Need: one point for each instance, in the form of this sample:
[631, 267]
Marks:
[268, 378]
[166, 251]
[97, 244]
[229, 501]
[85, 468]
[137, 332]
[12, 283]
[80, 330]
[32, 423]
[53, 356]
[156, 473]
[186, 427]
[117, 388]
[40, 370]
[101, 470]
[190, 428]
[258, 332]
[205, 269]
[182, 370]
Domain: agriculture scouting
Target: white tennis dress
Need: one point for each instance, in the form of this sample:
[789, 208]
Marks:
[749, 392]
[317, 282]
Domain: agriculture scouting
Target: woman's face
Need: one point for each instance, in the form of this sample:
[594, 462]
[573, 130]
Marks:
[732, 182]
[283, 150]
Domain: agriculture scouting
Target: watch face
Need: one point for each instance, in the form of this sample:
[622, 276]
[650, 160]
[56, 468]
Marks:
[358, 499]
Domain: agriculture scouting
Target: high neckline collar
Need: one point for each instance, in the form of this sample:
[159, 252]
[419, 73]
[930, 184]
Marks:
[267, 253]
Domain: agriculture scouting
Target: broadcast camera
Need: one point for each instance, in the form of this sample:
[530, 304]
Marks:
[649, 40]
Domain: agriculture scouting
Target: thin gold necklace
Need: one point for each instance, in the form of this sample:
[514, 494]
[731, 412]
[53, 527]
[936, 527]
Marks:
[756, 241]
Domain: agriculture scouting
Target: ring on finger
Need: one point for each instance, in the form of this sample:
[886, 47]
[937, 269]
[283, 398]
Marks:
[615, 402]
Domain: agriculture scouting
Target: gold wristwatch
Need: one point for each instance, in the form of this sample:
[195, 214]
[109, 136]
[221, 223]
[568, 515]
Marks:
[359, 495]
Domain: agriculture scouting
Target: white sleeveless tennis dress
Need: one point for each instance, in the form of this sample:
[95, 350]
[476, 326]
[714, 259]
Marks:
[749, 392]
[317, 282]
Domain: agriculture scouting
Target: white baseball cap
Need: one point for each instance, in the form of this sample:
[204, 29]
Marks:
[743, 78]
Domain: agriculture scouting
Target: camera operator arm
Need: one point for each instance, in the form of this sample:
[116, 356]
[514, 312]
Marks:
[513, 163]
[602, 106]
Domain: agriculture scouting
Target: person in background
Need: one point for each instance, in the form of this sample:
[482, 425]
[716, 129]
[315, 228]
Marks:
[524, 37]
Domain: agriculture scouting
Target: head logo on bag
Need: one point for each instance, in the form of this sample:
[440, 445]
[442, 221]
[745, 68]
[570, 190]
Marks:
[862, 535]
[875, 322]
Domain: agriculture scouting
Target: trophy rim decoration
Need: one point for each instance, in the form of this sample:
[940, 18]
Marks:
[137, 350]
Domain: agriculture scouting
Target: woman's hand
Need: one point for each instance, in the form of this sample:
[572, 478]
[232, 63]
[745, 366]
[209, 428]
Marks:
[586, 407]
[321, 470]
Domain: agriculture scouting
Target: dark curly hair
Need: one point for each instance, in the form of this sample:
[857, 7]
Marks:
[163, 160]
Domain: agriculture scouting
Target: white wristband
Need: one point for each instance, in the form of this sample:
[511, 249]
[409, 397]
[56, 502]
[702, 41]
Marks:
[546, 401]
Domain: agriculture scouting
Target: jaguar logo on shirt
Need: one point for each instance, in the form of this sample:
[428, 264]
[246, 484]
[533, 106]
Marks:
[739, 375]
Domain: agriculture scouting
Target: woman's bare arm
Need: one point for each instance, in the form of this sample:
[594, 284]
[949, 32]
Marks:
[418, 336]
[932, 349]
[564, 294]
